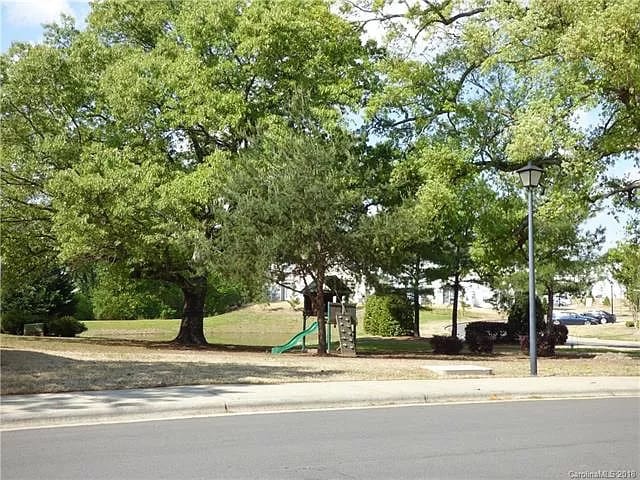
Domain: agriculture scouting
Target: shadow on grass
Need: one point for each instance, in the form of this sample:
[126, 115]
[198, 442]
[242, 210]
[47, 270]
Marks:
[26, 371]
[150, 344]
[420, 347]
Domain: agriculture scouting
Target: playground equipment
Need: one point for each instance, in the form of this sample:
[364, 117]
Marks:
[295, 339]
[340, 314]
[344, 317]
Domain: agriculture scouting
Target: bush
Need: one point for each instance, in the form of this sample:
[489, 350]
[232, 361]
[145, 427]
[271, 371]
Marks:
[446, 344]
[84, 307]
[481, 336]
[479, 342]
[560, 334]
[41, 294]
[518, 320]
[388, 315]
[66, 326]
[629, 323]
[544, 347]
[606, 302]
[14, 322]
[546, 344]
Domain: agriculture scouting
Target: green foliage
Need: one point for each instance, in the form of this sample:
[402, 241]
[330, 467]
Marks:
[224, 295]
[111, 136]
[65, 326]
[122, 144]
[84, 307]
[518, 318]
[606, 302]
[446, 344]
[40, 295]
[115, 296]
[630, 323]
[624, 262]
[13, 322]
[388, 315]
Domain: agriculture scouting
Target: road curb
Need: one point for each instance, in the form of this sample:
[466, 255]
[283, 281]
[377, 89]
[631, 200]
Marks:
[49, 410]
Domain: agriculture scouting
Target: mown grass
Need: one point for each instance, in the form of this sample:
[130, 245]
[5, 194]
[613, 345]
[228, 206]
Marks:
[609, 331]
[269, 324]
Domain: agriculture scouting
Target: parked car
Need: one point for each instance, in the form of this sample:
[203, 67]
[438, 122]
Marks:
[601, 316]
[571, 318]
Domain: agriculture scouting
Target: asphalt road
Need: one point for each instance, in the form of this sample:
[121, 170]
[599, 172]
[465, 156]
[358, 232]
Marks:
[559, 439]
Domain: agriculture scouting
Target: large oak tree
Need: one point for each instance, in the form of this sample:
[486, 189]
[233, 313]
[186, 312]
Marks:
[124, 121]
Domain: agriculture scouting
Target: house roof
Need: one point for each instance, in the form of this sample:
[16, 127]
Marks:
[332, 284]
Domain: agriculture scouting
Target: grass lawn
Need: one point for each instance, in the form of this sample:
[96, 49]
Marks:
[257, 325]
[608, 331]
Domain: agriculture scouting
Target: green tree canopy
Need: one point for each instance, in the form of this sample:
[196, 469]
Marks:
[295, 206]
[144, 104]
[624, 262]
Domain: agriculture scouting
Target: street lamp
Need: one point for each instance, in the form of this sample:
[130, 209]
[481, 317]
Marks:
[530, 177]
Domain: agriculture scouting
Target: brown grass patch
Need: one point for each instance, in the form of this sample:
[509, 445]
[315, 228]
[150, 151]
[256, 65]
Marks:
[34, 365]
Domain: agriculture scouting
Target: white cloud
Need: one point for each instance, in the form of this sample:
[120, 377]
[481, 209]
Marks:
[35, 12]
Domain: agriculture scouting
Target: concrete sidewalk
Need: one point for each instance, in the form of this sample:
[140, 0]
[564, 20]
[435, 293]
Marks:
[596, 342]
[57, 409]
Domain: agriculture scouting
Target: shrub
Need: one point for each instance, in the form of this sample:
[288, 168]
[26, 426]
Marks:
[14, 322]
[84, 307]
[518, 320]
[40, 293]
[546, 344]
[479, 342]
[481, 336]
[388, 315]
[66, 326]
[560, 334]
[629, 323]
[606, 302]
[544, 347]
[446, 344]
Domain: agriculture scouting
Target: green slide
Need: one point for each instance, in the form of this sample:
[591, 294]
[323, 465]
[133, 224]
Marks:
[296, 338]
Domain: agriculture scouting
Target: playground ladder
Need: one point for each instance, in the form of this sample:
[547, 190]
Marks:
[347, 336]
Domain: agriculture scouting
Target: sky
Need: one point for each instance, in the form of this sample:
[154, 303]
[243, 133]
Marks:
[21, 20]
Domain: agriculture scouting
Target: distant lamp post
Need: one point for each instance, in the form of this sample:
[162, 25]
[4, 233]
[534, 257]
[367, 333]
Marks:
[530, 177]
[611, 282]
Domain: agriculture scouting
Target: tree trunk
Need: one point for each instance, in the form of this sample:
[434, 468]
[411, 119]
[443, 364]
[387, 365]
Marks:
[454, 314]
[416, 299]
[192, 325]
[322, 331]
